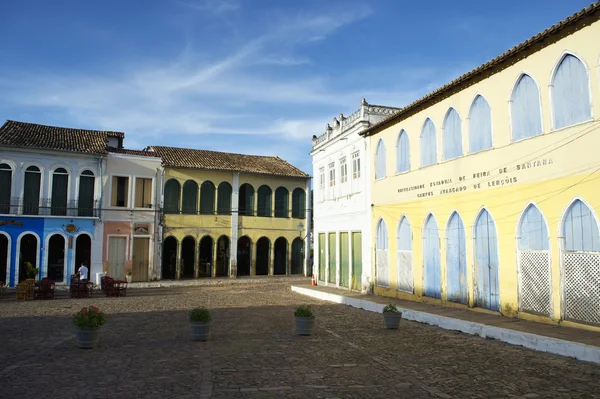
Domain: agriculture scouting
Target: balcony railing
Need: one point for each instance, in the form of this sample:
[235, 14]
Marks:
[46, 207]
[241, 212]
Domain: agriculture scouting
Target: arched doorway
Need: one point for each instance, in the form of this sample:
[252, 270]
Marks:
[169, 258]
[456, 260]
[3, 259]
[83, 253]
[280, 256]
[56, 258]
[263, 246]
[28, 251]
[381, 255]
[533, 256]
[188, 254]
[244, 256]
[297, 256]
[404, 256]
[487, 294]
[222, 256]
[205, 257]
[581, 257]
[432, 282]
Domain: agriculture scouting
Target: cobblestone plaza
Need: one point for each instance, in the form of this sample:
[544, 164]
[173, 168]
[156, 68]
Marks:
[145, 350]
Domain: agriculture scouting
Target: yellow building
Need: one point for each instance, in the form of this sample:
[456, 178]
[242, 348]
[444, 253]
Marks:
[485, 192]
[232, 215]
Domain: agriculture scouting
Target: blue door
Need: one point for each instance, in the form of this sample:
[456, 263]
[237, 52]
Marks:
[431, 259]
[456, 265]
[486, 263]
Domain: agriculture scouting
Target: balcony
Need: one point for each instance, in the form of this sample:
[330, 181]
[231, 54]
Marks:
[45, 207]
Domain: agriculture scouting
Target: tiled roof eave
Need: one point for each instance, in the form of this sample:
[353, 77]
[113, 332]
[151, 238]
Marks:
[303, 177]
[104, 153]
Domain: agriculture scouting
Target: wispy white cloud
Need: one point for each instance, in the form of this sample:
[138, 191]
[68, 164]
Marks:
[213, 6]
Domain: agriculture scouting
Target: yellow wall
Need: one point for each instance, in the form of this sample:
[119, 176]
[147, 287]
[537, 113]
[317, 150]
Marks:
[254, 227]
[564, 165]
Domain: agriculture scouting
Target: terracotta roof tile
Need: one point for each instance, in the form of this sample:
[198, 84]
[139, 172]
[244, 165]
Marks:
[224, 161]
[31, 135]
[508, 55]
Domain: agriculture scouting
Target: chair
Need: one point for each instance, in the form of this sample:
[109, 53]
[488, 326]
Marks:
[3, 288]
[74, 287]
[22, 291]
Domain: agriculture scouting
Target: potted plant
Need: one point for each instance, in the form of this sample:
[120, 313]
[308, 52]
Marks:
[30, 271]
[128, 276]
[87, 324]
[200, 323]
[392, 316]
[305, 320]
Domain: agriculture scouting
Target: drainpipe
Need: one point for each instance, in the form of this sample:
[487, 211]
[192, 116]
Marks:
[158, 228]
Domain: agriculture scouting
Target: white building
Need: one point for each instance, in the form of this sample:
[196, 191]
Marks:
[342, 232]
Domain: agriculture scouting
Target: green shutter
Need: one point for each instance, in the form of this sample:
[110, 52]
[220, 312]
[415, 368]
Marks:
[322, 257]
[86, 196]
[264, 201]
[332, 253]
[31, 193]
[356, 261]
[281, 202]
[344, 261]
[190, 197]
[224, 199]
[172, 196]
[5, 190]
[60, 186]
[207, 198]
[297, 256]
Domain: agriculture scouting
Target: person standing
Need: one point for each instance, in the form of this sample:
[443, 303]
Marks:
[83, 273]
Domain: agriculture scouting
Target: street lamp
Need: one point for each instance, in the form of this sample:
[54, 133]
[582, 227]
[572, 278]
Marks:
[300, 230]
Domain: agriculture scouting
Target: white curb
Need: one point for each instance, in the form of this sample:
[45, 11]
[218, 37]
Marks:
[541, 343]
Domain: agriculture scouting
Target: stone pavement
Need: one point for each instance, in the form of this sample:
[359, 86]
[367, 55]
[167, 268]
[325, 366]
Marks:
[145, 351]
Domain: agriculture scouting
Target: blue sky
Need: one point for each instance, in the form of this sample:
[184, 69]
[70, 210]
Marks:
[248, 76]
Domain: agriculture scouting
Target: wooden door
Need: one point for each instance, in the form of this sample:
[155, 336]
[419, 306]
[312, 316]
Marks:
[321, 258]
[344, 260]
[116, 257]
[332, 261]
[357, 261]
[141, 259]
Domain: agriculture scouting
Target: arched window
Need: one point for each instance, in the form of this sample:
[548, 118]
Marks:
[264, 205]
[456, 260]
[298, 203]
[380, 160]
[404, 257]
[31, 190]
[525, 110]
[535, 288]
[282, 198]
[403, 153]
[207, 198]
[246, 201]
[581, 229]
[172, 193]
[189, 201]
[480, 125]
[60, 192]
[5, 187]
[452, 135]
[87, 183]
[428, 144]
[570, 93]
[224, 199]
[381, 255]
[580, 259]
[432, 282]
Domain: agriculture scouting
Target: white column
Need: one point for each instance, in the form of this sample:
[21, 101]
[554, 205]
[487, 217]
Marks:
[367, 243]
[235, 200]
[308, 230]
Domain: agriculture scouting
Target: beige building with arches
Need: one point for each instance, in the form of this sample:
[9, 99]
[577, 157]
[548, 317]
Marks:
[232, 215]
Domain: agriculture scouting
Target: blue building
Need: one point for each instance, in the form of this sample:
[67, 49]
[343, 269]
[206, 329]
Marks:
[50, 196]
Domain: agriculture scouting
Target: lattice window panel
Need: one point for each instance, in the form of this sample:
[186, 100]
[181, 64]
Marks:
[535, 287]
[383, 268]
[405, 271]
[582, 286]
